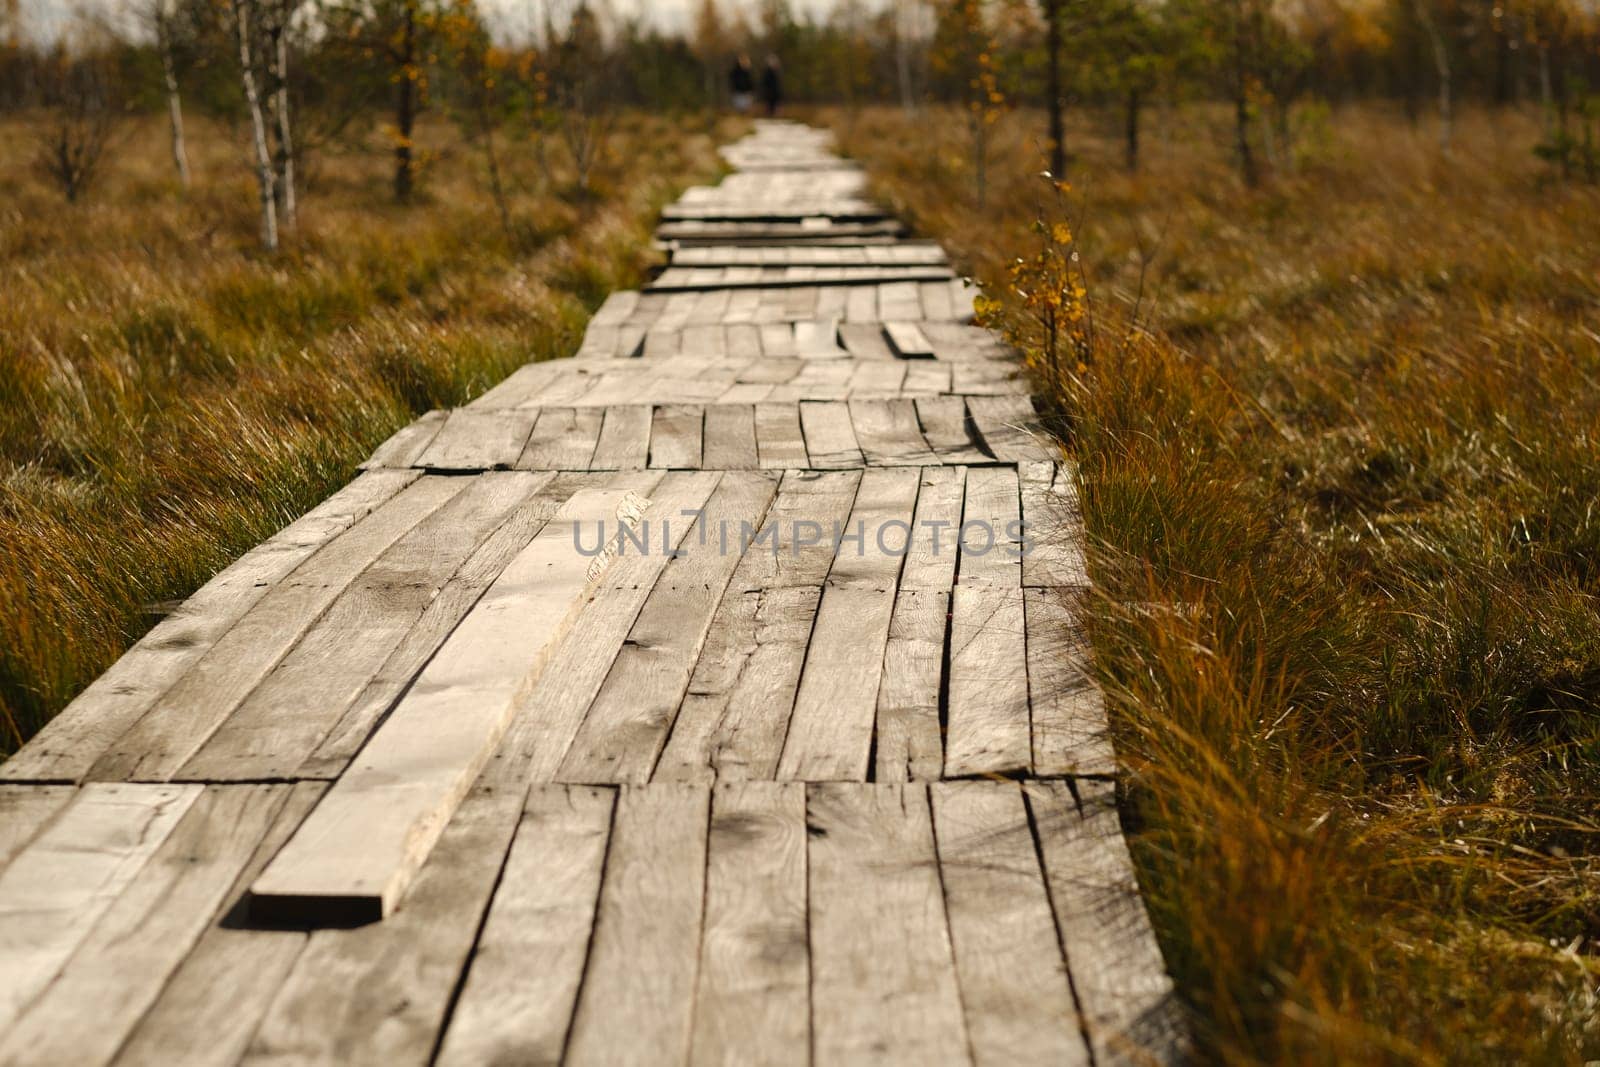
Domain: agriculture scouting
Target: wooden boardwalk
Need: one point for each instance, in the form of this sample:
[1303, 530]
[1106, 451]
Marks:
[804, 767]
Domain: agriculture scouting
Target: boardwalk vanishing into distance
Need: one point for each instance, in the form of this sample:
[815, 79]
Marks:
[439, 773]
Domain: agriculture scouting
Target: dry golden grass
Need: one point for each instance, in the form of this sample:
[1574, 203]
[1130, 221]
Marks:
[1340, 478]
[169, 396]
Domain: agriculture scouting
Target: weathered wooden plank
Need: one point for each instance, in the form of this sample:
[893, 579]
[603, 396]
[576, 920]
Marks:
[118, 970]
[899, 302]
[937, 304]
[638, 993]
[991, 528]
[59, 886]
[1010, 428]
[627, 725]
[830, 734]
[624, 439]
[944, 425]
[1068, 710]
[478, 439]
[675, 437]
[779, 441]
[359, 850]
[988, 727]
[909, 745]
[988, 712]
[443, 613]
[830, 439]
[777, 340]
[1129, 1009]
[1014, 988]
[752, 1003]
[1054, 525]
[889, 434]
[736, 712]
[562, 439]
[730, 437]
[883, 978]
[212, 1004]
[617, 308]
[907, 340]
[289, 714]
[877, 379]
[549, 717]
[69, 744]
[187, 714]
[927, 377]
[931, 560]
[379, 993]
[25, 810]
[517, 1002]
[864, 340]
[403, 447]
[861, 306]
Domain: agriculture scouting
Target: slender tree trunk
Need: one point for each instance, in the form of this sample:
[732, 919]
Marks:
[1058, 147]
[283, 146]
[242, 10]
[405, 104]
[169, 77]
[1130, 131]
[1241, 101]
[1441, 66]
[902, 61]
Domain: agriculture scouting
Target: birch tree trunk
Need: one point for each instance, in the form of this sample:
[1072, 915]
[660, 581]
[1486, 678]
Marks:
[902, 60]
[278, 102]
[242, 12]
[169, 77]
[1441, 64]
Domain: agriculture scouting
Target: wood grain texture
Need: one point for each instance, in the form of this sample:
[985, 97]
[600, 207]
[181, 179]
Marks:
[406, 444]
[624, 442]
[58, 887]
[359, 850]
[675, 437]
[25, 810]
[988, 711]
[1067, 708]
[1053, 521]
[883, 978]
[562, 439]
[730, 441]
[1129, 1009]
[378, 994]
[637, 1002]
[627, 724]
[517, 1002]
[207, 1012]
[830, 439]
[830, 734]
[910, 744]
[752, 1002]
[1014, 988]
[146, 932]
[549, 717]
[478, 440]
[69, 744]
[290, 713]
[187, 714]
[442, 615]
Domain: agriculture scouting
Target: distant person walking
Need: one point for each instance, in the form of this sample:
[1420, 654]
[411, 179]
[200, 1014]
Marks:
[772, 86]
[742, 84]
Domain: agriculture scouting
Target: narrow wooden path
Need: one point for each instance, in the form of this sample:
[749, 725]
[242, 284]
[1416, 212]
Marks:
[816, 774]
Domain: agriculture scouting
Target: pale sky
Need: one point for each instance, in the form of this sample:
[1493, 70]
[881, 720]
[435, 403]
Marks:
[44, 19]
